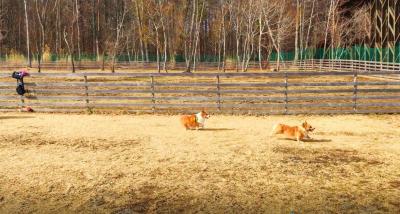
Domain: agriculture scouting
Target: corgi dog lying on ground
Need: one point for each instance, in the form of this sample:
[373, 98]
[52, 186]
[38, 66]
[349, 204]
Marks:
[194, 121]
[297, 132]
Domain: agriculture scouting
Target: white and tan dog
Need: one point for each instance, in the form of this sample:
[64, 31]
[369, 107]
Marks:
[296, 132]
[195, 121]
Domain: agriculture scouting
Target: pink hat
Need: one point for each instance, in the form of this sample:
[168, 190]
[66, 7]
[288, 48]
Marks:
[24, 73]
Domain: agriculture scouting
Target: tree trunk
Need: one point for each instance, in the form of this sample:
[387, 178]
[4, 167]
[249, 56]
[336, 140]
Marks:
[78, 30]
[259, 42]
[28, 54]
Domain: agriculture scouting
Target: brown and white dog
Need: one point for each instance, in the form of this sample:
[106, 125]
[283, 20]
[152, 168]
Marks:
[297, 132]
[194, 121]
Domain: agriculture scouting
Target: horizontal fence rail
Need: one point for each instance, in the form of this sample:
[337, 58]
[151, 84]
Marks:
[302, 65]
[300, 92]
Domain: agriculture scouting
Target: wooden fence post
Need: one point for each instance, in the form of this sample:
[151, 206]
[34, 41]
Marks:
[352, 66]
[153, 97]
[365, 66]
[87, 94]
[219, 92]
[312, 64]
[355, 90]
[286, 92]
[320, 65]
[22, 102]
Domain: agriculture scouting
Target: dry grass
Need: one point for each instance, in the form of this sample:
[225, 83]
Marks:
[124, 164]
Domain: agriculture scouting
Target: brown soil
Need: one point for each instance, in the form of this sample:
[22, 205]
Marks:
[124, 164]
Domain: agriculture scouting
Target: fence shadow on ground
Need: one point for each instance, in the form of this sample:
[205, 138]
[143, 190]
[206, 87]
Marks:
[15, 117]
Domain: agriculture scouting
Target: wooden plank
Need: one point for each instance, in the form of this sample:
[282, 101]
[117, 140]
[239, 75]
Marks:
[57, 110]
[252, 106]
[8, 84]
[252, 91]
[8, 110]
[57, 91]
[8, 91]
[379, 104]
[269, 74]
[12, 104]
[185, 84]
[321, 84]
[317, 98]
[342, 91]
[345, 84]
[66, 84]
[57, 104]
[378, 97]
[251, 99]
[9, 97]
[215, 99]
[252, 84]
[133, 84]
[192, 98]
[320, 105]
[149, 91]
[377, 83]
[276, 74]
[150, 105]
[383, 90]
[320, 91]
[320, 112]
[118, 98]
[71, 98]
[138, 84]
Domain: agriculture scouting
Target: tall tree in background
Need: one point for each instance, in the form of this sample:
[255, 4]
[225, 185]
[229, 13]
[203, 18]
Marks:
[28, 53]
[192, 31]
[168, 31]
[118, 28]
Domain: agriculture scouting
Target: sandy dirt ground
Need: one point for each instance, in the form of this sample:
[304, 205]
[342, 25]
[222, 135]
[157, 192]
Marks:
[149, 164]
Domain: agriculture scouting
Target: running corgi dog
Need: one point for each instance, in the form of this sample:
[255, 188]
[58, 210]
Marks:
[194, 121]
[297, 132]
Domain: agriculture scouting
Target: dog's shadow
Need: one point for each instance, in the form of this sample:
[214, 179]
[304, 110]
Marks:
[312, 140]
[215, 129]
[317, 140]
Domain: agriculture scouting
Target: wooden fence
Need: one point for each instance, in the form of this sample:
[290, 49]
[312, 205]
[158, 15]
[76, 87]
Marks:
[241, 93]
[312, 64]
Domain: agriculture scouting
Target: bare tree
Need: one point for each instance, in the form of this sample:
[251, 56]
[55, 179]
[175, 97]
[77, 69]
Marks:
[28, 53]
[68, 41]
[118, 31]
[3, 31]
[278, 25]
[77, 14]
[192, 31]
[41, 12]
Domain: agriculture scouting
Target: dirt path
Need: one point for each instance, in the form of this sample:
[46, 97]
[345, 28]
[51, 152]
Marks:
[124, 164]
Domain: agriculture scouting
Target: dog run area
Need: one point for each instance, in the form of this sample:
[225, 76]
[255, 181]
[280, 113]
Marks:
[150, 163]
